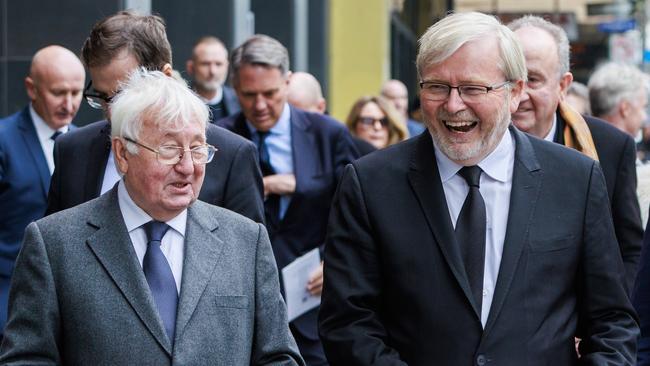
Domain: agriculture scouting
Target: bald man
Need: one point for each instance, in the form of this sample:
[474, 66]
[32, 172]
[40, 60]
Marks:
[54, 86]
[306, 93]
[396, 92]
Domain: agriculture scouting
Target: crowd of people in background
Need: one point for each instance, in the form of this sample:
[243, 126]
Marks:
[498, 220]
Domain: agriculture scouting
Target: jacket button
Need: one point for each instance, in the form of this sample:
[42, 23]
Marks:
[481, 360]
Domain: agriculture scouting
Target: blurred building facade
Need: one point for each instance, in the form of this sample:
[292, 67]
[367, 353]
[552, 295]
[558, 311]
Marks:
[352, 47]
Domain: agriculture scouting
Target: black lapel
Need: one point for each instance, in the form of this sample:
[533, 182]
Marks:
[425, 181]
[98, 149]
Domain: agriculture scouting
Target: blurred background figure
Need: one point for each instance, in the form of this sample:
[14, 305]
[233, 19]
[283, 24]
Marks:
[306, 93]
[395, 91]
[54, 85]
[208, 69]
[577, 96]
[618, 95]
[375, 120]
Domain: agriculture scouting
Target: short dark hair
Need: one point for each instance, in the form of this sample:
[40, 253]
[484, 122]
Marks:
[142, 36]
[207, 40]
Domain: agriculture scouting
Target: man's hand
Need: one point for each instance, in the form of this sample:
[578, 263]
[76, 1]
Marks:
[279, 184]
[315, 284]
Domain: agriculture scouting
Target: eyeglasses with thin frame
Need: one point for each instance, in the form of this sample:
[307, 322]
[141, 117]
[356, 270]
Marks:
[96, 100]
[170, 155]
[370, 121]
[469, 93]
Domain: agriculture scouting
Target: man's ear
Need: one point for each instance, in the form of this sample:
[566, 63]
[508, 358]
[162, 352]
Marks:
[516, 91]
[189, 67]
[565, 82]
[120, 155]
[167, 70]
[624, 108]
[31, 88]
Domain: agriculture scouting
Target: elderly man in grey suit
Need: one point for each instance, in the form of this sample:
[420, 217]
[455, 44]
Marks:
[146, 274]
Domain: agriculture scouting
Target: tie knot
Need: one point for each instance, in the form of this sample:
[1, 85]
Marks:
[55, 135]
[263, 135]
[471, 174]
[155, 230]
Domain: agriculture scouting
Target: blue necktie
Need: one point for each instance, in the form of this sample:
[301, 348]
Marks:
[55, 135]
[159, 276]
[272, 202]
[470, 232]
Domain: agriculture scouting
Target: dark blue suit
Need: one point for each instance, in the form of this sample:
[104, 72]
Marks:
[641, 302]
[321, 148]
[24, 182]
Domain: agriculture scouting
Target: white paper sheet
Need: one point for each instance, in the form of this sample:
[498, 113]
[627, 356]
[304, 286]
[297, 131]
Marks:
[295, 277]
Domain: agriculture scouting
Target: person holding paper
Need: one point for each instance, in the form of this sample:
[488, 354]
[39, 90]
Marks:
[301, 155]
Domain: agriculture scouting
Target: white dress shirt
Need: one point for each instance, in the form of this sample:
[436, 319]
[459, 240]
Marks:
[172, 243]
[44, 133]
[495, 187]
[111, 174]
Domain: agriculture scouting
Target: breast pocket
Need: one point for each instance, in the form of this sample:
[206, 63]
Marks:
[235, 302]
[551, 245]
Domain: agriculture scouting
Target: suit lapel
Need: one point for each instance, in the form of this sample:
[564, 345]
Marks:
[304, 154]
[240, 127]
[425, 180]
[30, 138]
[99, 149]
[202, 249]
[526, 184]
[112, 246]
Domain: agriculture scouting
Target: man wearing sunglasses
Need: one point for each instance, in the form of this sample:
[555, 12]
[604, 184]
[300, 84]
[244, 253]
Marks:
[85, 168]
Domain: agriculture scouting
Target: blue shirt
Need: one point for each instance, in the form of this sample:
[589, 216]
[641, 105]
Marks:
[278, 143]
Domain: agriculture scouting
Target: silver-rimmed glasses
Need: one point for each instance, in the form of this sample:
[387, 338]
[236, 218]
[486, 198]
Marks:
[170, 155]
[469, 93]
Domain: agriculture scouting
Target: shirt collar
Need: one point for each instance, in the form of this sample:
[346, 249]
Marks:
[217, 97]
[282, 127]
[493, 164]
[551, 134]
[134, 216]
[43, 131]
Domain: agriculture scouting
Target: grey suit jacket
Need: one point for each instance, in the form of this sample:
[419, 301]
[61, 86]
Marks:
[79, 295]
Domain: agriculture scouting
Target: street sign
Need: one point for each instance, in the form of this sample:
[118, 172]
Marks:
[617, 26]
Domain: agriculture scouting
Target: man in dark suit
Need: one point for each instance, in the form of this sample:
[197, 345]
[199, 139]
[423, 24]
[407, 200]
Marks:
[475, 243]
[145, 275]
[208, 68]
[54, 85]
[84, 166]
[543, 113]
[301, 155]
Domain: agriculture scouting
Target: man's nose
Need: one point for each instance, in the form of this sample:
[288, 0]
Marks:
[454, 102]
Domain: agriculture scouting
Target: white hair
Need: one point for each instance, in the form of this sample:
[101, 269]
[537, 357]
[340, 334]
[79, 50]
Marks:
[448, 35]
[168, 102]
[611, 84]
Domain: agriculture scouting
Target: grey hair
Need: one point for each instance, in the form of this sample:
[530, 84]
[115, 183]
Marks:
[612, 83]
[556, 32]
[445, 37]
[261, 50]
[169, 103]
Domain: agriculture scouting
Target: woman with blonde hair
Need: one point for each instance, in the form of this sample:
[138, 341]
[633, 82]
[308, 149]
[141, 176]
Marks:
[375, 120]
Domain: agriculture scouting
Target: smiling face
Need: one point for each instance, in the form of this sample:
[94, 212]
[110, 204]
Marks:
[545, 86]
[468, 132]
[162, 191]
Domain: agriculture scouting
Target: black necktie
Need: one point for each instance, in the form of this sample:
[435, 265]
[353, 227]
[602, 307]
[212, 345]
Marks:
[55, 135]
[159, 276]
[272, 202]
[470, 232]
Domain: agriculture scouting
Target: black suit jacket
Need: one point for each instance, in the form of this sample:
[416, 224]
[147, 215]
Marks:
[232, 179]
[321, 148]
[617, 157]
[396, 292]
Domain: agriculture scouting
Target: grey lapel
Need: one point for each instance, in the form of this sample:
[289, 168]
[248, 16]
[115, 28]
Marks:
[202, 249]
[33, 144]
[112, 246]
[526, 185]
[425, 181]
